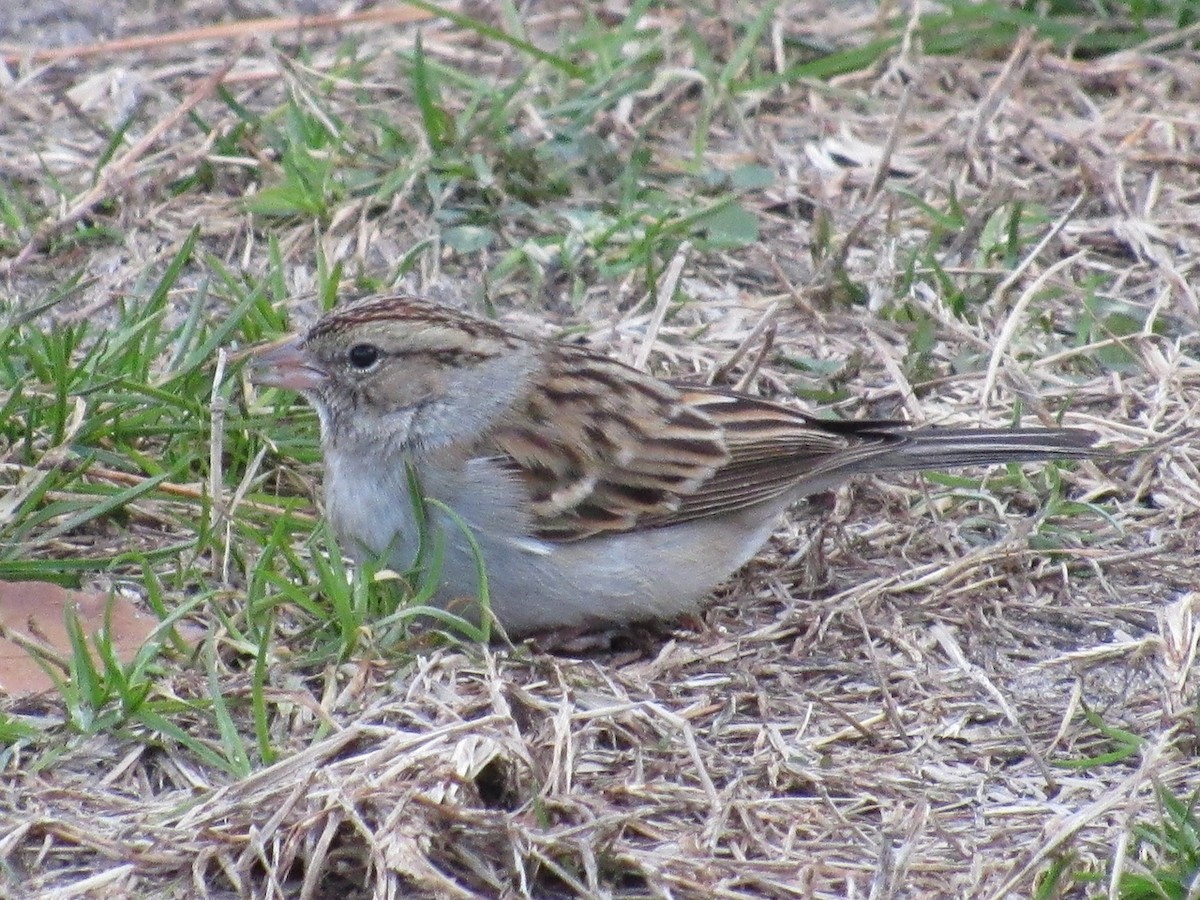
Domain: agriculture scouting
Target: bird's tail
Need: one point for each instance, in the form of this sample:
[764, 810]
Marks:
[938, 448]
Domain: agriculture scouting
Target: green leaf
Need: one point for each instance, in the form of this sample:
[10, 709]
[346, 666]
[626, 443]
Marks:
[752, 178]
[731, 225]
[468, 238]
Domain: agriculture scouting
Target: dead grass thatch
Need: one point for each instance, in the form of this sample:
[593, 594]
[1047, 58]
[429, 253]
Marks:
[879, 706]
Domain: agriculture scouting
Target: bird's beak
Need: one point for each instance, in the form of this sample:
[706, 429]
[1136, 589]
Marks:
[286, 364]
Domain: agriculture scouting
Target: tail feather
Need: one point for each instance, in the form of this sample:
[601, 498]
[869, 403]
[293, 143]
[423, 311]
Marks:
[936, 448]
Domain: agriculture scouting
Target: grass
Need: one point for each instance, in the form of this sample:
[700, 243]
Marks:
[895, 697]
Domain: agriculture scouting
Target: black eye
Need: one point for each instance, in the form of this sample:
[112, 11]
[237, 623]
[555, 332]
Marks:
[363, 356]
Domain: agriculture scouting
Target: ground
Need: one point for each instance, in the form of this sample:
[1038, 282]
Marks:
[976, 684]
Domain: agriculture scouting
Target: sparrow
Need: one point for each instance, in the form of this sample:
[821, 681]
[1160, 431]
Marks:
[590, 493]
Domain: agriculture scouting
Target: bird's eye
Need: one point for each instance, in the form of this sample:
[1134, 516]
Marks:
[363, 356]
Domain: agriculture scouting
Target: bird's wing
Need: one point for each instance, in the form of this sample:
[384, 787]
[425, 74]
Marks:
[605, 449]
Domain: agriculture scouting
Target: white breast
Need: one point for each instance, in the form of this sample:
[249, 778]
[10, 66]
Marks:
[536, 584]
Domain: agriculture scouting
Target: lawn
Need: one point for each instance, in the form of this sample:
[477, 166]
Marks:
[977, 683]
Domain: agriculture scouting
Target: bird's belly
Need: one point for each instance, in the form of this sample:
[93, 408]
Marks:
[535, 584]
[617, 579]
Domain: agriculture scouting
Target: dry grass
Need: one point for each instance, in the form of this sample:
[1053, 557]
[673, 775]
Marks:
[879, 704]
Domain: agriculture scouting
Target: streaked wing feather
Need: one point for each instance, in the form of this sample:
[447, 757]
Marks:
[604, 449]
[659, 454]
[772, 448]
[607, 449]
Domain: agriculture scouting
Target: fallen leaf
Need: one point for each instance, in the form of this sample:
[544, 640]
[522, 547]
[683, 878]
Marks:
[34, 613]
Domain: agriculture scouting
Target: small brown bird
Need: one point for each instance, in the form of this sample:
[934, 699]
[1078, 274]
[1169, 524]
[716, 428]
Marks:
[596, 494]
